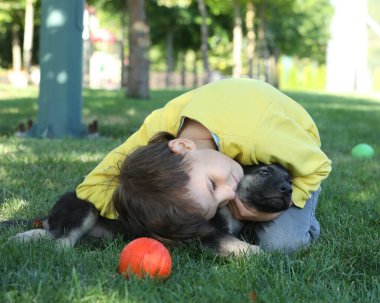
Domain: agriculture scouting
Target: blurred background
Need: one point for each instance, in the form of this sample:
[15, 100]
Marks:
[312, 45]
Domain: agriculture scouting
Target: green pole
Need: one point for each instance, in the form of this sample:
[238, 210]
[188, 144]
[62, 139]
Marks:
[60, 97]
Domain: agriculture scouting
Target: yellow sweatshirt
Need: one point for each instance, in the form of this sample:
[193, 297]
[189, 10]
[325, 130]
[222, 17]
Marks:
[254, 123]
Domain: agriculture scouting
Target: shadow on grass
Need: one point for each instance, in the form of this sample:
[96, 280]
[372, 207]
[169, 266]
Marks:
[36, 172]
[15, 111]
[315, 99]
[117, 116]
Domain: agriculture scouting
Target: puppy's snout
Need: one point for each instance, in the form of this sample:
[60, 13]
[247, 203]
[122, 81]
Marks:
[285, 188]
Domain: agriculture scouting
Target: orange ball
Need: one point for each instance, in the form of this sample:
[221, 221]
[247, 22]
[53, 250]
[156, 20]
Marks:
[145, 257]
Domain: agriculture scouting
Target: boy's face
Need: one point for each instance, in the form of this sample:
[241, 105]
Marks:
[214, 178]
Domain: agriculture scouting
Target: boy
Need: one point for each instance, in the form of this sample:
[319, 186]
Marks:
[170, 184]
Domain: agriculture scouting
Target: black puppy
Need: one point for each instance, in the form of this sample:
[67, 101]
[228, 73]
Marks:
[265, 187]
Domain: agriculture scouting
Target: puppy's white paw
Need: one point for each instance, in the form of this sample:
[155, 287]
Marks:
[231, 245]
[256, 249]
[31, 235]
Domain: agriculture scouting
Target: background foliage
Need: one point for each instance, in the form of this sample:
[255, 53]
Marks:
[293, 27]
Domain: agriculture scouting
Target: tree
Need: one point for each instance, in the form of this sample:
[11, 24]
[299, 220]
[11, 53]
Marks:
[16, 48]
[19, 28]
[11, 12]
[28, 36]
[180, 27]
[249, 22]
[237, 40]
[60, 94]
[298, 28]
[138, 69]
[289, 27]
[263, 51]
[124, 15]
[204, 40]
[164, 32]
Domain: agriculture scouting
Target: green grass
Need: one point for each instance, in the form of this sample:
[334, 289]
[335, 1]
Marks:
[342, 266]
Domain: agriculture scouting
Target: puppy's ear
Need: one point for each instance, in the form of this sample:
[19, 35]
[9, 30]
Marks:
[181, 145]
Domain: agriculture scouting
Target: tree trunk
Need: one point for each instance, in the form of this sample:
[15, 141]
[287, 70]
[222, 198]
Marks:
[195, 71]
[138, 68]
[169, 58]
[204, 40]
[16, 48]
[249, 21]
[28, 36]
[275, 71]
[237, 40]
[263, 47]
[87, 48]
[123, 42]
[183, 69]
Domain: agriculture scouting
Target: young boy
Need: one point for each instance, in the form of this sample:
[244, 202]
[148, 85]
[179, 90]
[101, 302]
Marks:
[185, 161]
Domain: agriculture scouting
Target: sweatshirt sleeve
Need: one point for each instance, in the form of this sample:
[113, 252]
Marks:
[284, 140]
[99, 185]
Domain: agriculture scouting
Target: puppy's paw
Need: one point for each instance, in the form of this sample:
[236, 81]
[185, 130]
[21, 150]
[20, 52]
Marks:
[245, 249]
[31, 235]
[236, 247]
[256, 249]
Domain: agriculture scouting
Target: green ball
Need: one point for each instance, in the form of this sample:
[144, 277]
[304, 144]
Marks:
[363, 151]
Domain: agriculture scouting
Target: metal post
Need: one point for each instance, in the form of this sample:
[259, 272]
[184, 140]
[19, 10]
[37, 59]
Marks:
[60, 98]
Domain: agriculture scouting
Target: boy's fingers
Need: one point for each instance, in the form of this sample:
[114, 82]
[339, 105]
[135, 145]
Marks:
[240, 211]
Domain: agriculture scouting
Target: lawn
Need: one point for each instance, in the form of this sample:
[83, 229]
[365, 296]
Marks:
[342, 266]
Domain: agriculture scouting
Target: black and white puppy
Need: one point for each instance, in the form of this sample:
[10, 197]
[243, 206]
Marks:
[264, 187]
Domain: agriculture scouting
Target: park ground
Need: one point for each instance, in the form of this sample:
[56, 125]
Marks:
[342, 266]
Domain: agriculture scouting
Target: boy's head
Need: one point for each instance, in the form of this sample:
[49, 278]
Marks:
[153, 196]
[213, 176]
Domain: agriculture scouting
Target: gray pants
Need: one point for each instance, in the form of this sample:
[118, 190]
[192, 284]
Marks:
[292, 230]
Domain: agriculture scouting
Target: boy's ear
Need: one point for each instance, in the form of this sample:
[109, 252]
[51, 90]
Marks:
[181, 145]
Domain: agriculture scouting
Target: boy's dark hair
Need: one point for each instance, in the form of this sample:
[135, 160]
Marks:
[152, 197]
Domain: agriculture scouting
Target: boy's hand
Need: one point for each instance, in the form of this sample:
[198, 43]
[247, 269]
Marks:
[241, 212]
